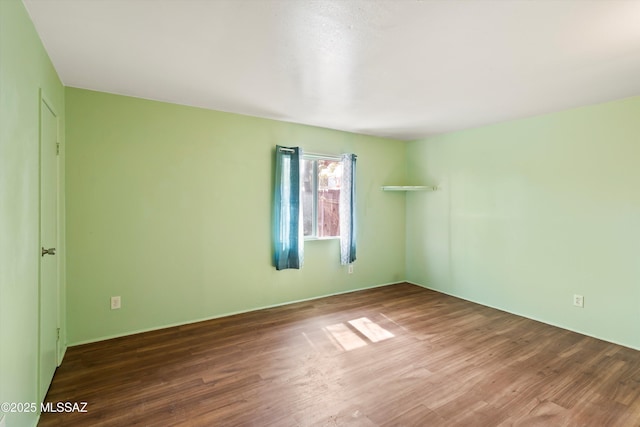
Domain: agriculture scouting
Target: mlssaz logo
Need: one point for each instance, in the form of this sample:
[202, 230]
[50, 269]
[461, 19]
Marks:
[63, 407]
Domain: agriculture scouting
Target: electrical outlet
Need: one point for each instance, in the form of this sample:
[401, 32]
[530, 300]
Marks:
[578, 301]
[350, 269]
[115, 303]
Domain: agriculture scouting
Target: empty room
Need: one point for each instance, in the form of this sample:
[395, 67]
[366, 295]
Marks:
[319, 213]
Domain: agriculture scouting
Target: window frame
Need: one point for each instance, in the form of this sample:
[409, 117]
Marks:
[314, 157]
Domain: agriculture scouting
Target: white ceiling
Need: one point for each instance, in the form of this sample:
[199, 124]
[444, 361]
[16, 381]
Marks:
[404, 69]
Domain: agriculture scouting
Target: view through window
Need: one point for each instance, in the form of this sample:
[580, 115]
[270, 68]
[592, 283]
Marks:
[322, 178]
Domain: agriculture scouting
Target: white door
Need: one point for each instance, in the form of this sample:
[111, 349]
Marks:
[48, 295]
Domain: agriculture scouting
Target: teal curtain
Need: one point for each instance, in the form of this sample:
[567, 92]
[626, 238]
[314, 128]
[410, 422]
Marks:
[348, 209]
[287, 227]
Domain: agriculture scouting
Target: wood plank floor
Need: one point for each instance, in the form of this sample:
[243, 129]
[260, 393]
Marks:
[397, 355]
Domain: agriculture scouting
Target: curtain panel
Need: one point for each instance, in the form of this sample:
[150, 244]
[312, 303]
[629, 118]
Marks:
[348, 210]
[287, 227]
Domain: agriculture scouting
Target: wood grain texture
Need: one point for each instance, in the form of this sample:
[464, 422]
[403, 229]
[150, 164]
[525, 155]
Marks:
[409, 357]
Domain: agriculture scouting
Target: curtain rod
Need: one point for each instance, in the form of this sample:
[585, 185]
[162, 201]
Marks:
[318, 155]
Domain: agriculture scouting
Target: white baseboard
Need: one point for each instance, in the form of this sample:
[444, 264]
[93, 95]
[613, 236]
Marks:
[232, 313]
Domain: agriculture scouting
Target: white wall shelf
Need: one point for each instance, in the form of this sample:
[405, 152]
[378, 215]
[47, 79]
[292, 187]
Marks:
[409, 188]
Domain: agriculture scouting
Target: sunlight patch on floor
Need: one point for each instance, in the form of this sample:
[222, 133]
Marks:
[344, 337]
[354, 334]
[371, 329]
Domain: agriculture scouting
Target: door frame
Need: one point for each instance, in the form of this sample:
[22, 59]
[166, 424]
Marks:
[44, 101]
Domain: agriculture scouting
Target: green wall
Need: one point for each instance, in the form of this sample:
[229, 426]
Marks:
[24, 70]
[170, 207]
[533, 211]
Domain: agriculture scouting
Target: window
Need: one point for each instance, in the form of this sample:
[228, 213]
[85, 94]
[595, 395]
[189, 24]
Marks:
[321, 182]
[314, 197]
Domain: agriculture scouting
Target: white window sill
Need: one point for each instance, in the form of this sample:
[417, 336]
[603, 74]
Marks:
[321, 238]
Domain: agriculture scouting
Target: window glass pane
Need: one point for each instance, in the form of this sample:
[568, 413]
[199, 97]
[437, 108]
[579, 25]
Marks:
[307, 196]
[329, 181]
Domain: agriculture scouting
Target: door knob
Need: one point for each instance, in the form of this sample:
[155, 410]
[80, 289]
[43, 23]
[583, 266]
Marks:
[50, 251]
